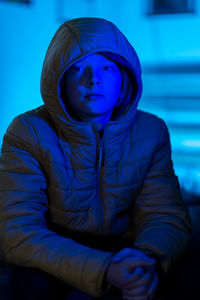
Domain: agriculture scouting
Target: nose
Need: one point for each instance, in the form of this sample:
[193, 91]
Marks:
[94, 77]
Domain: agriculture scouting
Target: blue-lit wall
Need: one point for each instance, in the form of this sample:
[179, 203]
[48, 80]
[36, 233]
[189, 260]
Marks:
[168, 47]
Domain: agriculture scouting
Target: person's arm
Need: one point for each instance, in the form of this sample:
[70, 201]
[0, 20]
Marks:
[24, 237]
[161, 227]
[161, 222]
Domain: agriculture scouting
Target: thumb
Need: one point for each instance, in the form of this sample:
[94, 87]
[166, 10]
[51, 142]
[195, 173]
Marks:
[132, 253]
[126, 252]
[134, 262]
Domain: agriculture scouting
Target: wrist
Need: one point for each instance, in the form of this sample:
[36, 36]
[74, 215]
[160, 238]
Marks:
[158, 266]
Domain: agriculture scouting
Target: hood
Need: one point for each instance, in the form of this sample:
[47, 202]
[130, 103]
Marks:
[74, 40]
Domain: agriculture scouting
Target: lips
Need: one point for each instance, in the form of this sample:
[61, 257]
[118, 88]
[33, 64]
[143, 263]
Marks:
[94, 95]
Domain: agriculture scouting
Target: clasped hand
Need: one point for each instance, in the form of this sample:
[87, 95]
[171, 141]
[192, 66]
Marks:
[134, 274]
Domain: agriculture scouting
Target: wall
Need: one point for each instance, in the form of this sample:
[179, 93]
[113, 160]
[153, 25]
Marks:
[164, 44]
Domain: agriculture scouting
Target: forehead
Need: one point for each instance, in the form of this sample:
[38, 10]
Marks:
[95, 58]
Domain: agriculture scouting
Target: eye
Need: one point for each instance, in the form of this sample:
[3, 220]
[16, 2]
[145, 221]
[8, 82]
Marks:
[75, 69]
[108, 68]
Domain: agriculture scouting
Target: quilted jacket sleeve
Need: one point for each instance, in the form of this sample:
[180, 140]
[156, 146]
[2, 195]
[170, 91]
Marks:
[24, 237]
[161, 220]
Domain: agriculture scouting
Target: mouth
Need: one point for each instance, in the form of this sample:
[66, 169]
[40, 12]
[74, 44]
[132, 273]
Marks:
[93, 96]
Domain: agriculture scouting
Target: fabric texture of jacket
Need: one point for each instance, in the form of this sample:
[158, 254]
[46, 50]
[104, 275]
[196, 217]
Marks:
[70, 199]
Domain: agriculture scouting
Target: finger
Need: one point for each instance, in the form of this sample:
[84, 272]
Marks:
[128, 252]
[137, 274]
[145, 280]
[125, 253]
[150, 268]
[147, 273]
[135, 291]
[134, 282]
[131, 278]
[153, 286]
[134, 262]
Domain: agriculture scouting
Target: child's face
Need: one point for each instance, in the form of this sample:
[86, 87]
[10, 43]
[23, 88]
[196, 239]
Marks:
[94, 74]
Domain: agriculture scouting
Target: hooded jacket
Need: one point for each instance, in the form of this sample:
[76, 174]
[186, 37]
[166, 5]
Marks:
[70, 199]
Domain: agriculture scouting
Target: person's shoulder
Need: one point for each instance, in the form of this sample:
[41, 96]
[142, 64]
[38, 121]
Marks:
[34, 115]
[36, 119]
[148, 117]
[149, 123]
[30, 126]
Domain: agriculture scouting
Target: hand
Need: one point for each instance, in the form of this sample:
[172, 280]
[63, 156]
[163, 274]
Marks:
[129, 252]
[122, 270]
[143, 280]
[143, 289]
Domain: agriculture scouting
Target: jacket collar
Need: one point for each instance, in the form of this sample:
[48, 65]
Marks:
[88, 133]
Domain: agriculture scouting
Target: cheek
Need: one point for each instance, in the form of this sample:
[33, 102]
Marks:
[117, 86]
[71, 90]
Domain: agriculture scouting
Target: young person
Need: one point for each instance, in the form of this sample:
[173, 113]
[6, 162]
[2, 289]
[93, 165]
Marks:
[90, 204]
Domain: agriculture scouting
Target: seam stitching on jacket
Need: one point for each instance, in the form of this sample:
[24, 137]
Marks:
[37, 138]
[91, 189]
[88, 168]
[115, 32]
[21, 191]
[75, 37]
[9, 132]
[33, 129]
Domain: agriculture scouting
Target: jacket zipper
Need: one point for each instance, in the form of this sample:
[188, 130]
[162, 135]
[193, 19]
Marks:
[100, 211]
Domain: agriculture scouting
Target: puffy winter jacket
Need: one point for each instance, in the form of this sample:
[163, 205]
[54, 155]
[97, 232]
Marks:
[69, 199]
